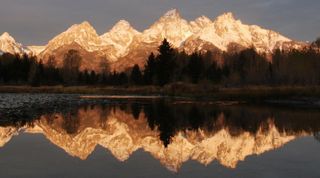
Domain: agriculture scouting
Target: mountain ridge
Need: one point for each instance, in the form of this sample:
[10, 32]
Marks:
[123, 135]
[123, 46]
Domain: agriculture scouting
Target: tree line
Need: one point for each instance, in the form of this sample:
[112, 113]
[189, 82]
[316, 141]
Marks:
[168, 65]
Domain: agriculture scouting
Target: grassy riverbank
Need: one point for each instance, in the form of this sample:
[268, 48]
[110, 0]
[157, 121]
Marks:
[250, 93]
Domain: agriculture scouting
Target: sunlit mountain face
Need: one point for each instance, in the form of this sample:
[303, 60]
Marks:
[123, 46]
[171, 132]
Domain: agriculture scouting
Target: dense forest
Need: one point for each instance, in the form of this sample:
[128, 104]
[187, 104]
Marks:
[247, 67]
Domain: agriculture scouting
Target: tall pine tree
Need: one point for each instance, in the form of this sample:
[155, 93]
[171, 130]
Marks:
[150, 70]
[165, 63]
[136, 76]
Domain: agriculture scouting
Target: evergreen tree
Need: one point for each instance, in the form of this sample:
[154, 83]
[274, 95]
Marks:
[86, 77]
[122, 79]
[214, 73]
[136, 76]
[38, 76]
[150, 70]
[93, 77]
[165, 63]
[195, 67]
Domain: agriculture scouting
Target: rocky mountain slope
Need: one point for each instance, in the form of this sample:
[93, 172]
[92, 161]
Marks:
[123, 46]
[122, 135]
[9, 45]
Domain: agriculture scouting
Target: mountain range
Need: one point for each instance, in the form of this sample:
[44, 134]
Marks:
[123, 135]
[123, 46]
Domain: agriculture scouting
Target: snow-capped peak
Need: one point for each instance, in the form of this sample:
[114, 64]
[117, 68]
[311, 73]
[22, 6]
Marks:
[123, 135]
[203, 19]
[83, 34]
[119, 43]
[6, 36]
[228, 16]
[226, 30]
[227, 21]
[200, 23]
[121, 26]
[83, 27]
[9, 45]
[172, 13]
[170, 26]
[120, 37]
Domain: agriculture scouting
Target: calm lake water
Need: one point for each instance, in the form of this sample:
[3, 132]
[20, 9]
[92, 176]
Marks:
[71, 136]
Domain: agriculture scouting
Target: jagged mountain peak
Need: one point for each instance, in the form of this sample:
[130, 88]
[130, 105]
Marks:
[170, 26]
[200, 23]
[173, 13]
[203, 19]
[84, 34]
[6, 36]
[122, 25]
[120, 37]
[82, 29]
[227, 21]
[123, 135]
[9, 45]
[226, 31]
[227, 16]
[122, 41]
[84, 26]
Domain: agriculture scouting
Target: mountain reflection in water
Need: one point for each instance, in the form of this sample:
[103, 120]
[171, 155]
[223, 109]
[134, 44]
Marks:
[172, 133]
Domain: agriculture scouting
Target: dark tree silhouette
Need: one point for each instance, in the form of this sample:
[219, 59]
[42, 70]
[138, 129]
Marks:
[136, 76]
[165, 63]
[246, 67]
[150, 70]
[195, 67]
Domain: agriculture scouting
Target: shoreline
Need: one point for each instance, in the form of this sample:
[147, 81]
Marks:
[201, 92]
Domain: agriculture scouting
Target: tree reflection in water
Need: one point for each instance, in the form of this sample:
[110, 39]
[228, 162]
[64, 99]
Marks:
[172, 132]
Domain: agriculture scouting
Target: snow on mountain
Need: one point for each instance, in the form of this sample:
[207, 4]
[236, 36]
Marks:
[123, 46]
[6, 133]
[200, 23]
[36, 50]
[83, 34]
[225, 33]
[122, 135]
[120, 37]
[9, 45]
[170, 26]
[226, 30]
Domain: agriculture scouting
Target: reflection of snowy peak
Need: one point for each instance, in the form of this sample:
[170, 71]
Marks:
[6, 133]
[120, 133]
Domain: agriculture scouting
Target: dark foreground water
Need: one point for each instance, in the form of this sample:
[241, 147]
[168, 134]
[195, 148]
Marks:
[66, 136]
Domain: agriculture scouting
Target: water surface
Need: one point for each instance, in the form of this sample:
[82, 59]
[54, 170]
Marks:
[72, 136]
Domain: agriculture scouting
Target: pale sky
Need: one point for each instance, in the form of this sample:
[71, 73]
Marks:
[34, 22]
